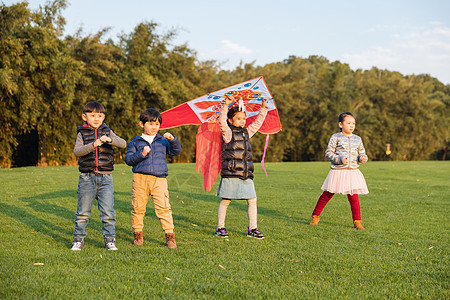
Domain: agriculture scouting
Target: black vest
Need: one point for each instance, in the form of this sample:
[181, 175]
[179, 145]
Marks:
[237, 158]
[102, 159]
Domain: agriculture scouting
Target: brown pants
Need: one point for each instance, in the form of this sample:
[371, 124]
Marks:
[143, 186]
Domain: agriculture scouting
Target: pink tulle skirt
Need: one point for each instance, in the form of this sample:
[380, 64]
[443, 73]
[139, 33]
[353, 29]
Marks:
[345, 181]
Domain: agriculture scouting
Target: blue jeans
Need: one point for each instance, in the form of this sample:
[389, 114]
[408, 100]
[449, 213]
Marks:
[95, 186]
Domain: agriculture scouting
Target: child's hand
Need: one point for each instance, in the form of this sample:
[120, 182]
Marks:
[105, 139]
[363, 160]
[97, 143]
[101, 140]
[229, 100]
[146, 150]
[168, 136]
[264, 103]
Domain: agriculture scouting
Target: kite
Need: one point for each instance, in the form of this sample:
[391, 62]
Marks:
[204, 111]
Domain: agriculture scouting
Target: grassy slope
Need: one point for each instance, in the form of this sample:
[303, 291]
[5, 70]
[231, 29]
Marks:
[403, 253]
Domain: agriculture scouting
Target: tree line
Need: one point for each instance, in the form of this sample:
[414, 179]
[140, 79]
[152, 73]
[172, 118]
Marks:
[46, 78]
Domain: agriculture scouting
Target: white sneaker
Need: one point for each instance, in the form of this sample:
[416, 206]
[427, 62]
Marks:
[110, 243]
[77, 244]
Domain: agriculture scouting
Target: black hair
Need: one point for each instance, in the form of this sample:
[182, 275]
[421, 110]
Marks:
[150, 115]
[94, 106]
[342, 117]
[234, 110]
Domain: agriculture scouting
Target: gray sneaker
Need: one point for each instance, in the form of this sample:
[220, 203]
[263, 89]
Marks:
[110, 243]
[77, 244]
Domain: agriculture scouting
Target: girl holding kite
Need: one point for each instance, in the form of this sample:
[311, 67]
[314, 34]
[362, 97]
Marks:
[345, 151]
[237, 165]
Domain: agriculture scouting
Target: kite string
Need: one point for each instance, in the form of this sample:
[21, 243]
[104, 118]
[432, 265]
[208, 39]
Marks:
[264, 154]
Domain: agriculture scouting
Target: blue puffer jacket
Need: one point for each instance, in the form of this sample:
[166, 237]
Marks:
[154, 163]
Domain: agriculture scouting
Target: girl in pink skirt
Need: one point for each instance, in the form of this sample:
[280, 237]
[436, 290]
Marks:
[345, 151]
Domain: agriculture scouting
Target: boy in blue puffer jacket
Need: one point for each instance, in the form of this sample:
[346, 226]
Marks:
[147, 155]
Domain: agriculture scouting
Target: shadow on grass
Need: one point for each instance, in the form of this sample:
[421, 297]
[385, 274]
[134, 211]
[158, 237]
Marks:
[125, 207]
[40, 203]
[44, 203]
[179, 220]
[182, 182]
[242, 205]
[57, 233]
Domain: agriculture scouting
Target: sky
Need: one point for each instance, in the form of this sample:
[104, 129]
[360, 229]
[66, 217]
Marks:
[408, 36]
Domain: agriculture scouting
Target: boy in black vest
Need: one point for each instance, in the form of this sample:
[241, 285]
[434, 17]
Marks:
[96, 163]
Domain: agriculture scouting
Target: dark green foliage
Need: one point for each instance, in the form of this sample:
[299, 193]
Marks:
[37, 81]
[46, 79]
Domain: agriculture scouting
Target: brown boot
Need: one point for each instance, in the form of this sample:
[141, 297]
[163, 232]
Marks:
[170, 240]
[357, 224]
[314, 220]
[138, 237]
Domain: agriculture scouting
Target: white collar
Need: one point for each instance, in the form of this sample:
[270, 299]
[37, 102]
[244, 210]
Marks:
[148, 138]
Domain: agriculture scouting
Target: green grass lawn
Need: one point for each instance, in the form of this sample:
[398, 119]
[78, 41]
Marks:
[402, 254]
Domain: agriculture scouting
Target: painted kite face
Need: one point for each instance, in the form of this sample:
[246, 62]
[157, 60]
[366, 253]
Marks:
[206, 108]
[252, 92]
[213, 106]
[246, 95]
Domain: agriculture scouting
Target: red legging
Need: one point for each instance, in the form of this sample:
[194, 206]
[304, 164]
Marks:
[326, 196]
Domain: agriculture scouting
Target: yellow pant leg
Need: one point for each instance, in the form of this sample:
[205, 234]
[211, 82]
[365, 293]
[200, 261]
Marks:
[160, 197]
[140, 193]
